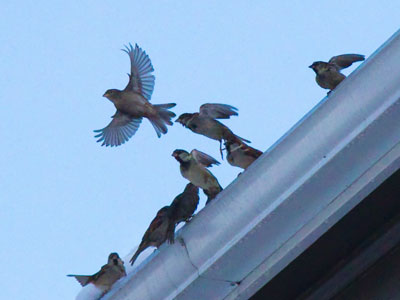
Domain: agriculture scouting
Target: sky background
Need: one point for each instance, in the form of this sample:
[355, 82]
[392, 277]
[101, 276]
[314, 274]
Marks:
[67, 202]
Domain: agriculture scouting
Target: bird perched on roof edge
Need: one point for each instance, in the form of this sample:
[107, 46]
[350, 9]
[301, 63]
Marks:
[241, 155]
[193, 167]
[132, 103]
[328, 74]
[205, 122]
[107, 276]
[182, 208]
[156, 234]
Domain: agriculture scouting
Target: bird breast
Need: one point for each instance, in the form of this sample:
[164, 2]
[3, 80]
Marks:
[199, 176]
[239, 159]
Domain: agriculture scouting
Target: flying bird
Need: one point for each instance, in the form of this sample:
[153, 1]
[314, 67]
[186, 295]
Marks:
[182, 208]
[205, 122]
[193, 167]
[328, 74]
[241, 155]
[156, 234]
[107, 276]
[132, 103]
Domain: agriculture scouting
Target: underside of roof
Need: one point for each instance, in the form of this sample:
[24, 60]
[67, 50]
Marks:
[325, 166]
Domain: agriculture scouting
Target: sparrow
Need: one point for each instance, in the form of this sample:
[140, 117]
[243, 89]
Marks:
[132, 103]
[182, 208]
[328, 74]
[156, 234]
[193, 167]
[241, 155]
[107, 276]
[205, 122]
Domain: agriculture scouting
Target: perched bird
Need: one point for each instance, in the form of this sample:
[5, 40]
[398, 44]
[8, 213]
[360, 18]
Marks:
[183, 208]
[107, 276]
[328, 74]
[156, 234]
[241, 155]
[204, 122]
[132, 103]
[193, 167]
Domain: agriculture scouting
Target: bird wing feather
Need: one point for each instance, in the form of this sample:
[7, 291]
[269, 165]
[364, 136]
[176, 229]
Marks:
[345, 60]
[203, 158]
[218, 111]
[121, 129]
[140, 79]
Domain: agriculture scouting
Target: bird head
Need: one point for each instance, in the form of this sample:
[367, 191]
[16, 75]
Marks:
[191, 188]
[113, 258]
[112, 94]
[318, 66]
[181, 155]
[184, 119]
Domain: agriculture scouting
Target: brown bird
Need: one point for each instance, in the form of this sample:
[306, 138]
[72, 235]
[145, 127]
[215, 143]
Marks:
[107, 276]
[193, 167]
[328, 74]
[241, 155]
[156, 234]
[204, 122]
[132, 103]
[183, 208]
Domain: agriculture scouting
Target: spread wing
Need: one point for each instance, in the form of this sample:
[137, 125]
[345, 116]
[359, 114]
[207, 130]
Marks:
[104, 269]
[140, 79]
[345, 60]
[121, 129]
[218, 111]
[204, 159]
[82, 279]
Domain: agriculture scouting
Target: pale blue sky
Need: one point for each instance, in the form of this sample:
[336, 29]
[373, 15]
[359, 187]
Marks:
[67, 202]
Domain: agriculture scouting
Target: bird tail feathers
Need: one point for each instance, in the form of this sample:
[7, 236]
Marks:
[163, 118]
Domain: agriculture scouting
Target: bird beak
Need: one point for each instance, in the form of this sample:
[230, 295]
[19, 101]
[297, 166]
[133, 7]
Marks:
[104, 94]
[311, 66]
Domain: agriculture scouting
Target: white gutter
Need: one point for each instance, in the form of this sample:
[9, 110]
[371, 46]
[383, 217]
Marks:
[324, 166]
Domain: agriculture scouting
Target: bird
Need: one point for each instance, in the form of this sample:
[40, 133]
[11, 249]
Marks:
[133, 103]
[241, 155]
[205, 122]
[182, 208]
[156, 234]
[193, 167]
[328, 74]
[107, 276]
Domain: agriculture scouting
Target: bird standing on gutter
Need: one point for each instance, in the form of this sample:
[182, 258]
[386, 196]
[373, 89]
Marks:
[328, 74]
[156, 234]
[193, 167]
[107, 276]
[183, 208]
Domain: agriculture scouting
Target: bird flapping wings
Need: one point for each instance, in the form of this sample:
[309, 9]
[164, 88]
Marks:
[140, 79]
[121, 129]
[203, 159]
[345, 60]
[218, 111]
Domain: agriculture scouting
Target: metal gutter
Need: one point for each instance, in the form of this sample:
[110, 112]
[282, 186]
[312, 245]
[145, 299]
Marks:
[324, 166]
